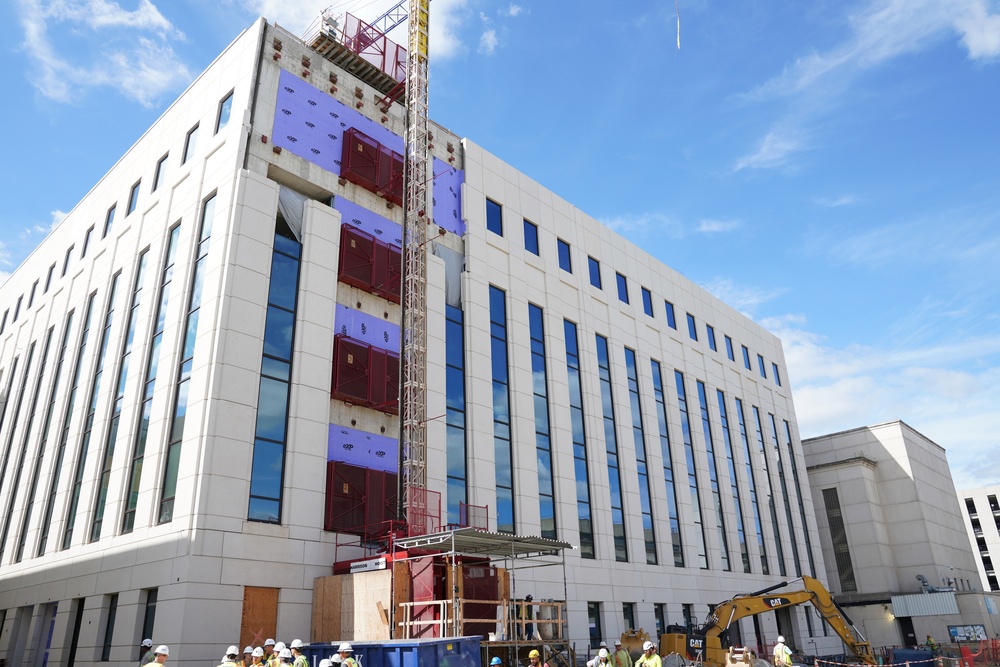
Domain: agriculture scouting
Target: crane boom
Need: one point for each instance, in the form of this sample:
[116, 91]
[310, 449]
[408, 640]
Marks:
[413, 389]
[391, 18]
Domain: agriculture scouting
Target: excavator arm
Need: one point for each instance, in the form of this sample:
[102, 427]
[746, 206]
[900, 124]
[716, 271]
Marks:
[769, 599]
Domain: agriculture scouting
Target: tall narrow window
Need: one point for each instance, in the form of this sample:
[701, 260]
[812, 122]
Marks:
[543, 436]
[138, 452]
[668, 308]
[48, 278]
[149, 612]
[647, 302]
[17, 308]
[760, 366]
[713, 474]
[176, 429]
[109, 220]
[775, 374]
[225, 110]
[594, 621]
[15, 485]
[692, 327]
[64, 431]
[770, 491]
[43, 442]
[3, 323]
[503, 453]
[133, 198]
[494, 217]
[628, 615]
[565, 259]
[798, 493]
[611, 449]
[66, 260]
[639, 443]
[668, 463]
[8, 393]
[622, 283]
[660, 614]
[86, 242]
[109, 628]
[746, 357]
[784, 495]
[31, 296]
[190, 141]
[530, 237]
[111, 437]
[267, 474]
[579, 431]
[692, 470]
[455, 442]
[751, 484]
[734, 487]
[838, 535]
[595, 272]
[729, 349]
[15, 418]
[161, 172]
[88, 422]
[710, 331]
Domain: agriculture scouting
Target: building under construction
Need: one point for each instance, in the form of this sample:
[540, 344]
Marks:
[201, 376]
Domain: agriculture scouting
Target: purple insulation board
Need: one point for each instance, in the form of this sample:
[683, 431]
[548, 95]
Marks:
[381, 228]
[365, 450]
[311, 124]
[367, 328]
[448, 197]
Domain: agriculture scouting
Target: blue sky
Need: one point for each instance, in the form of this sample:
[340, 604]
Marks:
[830, 168]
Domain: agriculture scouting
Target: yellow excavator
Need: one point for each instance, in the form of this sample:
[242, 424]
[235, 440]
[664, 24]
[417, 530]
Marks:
[709, 643]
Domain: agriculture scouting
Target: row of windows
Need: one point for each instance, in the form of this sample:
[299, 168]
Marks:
[190, 141]
[494, 223]
[981, 543]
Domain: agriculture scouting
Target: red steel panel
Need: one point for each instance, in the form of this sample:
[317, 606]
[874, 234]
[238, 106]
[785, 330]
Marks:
[351, 370]
[345, 497]
[387, 271]
[357, 257]
[391, 382]
[359, 159]
[394, 282]
[390, 175]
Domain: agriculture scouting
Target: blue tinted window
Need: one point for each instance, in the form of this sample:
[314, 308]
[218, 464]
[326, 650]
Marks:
[622, 287]
[710, 330]
[647, 302]
[760, 365]
[595, 272]
[225, 110]
[109, 221]
[777, 376]
[531, 237]
[669, 308]
[189, 143]
[692, 327]
[729, 349]
[494, 217]
[565, 261]
[746, 357]
[133, 199]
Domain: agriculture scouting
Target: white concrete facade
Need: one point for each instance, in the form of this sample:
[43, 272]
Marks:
[888, 514]
[981, 512]
[92, 596]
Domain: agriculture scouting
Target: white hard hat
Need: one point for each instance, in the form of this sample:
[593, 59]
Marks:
[279, 646]
[325, 662]
[345, 648]
[268, 642]
[603, 644]
[603, 653]
[285, 653]
[781, 640]
[647, 646]
[296, 643]
[336, 659]
[258, 652]
[233, 650]
[162, 650]
[249, 649]
[148, 643]
[618, 642]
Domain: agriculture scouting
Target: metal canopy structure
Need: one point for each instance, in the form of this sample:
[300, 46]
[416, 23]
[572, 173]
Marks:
[477, 542]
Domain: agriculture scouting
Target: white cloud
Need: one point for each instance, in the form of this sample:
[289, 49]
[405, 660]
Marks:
[945, 391]
[488, 41]
[836, 202]
[773, 151]
[139, 67]
[643, 223]
[715, 226]
[513, 10]
[744, 299]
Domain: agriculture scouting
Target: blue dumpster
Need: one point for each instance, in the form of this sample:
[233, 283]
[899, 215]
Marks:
[450, 652]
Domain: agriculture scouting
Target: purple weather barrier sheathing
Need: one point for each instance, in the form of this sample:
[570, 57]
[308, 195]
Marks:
[366, 450]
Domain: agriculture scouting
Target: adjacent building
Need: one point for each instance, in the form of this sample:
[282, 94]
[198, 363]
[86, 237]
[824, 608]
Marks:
[199, 371]
[891, 532]
[982, 520]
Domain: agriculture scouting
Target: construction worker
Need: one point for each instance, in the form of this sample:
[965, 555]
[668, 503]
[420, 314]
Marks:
[495, 662]
[782, 654]
[160, 655]
[229, 659]
[247, 657]
[345, 650]
[298, 658]
[285, 655]
[257, 657]
[930, 643]
[275, 660]
[649, 658]
[603, 659]
[535, 659]
[146, 652]
[268, 650]
[621, 657]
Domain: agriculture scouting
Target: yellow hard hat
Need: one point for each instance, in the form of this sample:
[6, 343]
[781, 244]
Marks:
[533, 654]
